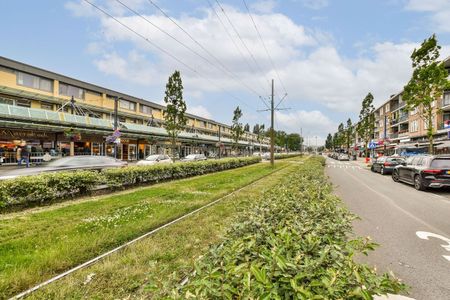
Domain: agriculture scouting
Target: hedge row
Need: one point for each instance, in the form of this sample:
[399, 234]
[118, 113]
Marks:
[291, 244]
[51, 187]
[283, 156]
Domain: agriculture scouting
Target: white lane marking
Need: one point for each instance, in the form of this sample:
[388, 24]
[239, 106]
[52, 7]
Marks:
[424, 235]
[393, 203]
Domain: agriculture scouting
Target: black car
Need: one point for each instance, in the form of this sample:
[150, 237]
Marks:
[385, 164]
[424, 171]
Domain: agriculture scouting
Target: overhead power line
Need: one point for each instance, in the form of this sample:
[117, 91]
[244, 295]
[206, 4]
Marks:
[229, 72]
[264, 46]
[165, 51]
[242, 41]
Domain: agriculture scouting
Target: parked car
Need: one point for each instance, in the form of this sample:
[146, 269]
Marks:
[266, 155]
[194, 157]
[69, 163]
[385, 164]
[155, 159]
[424, 171]
[343, 156]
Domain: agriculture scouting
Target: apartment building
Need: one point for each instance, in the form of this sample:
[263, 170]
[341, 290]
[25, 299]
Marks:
[50, 111]
[396, 127]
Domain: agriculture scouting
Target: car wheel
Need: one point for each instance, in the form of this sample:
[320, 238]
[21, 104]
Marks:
[382, 171]
[418, 184]
[372, 169]
[395, 176]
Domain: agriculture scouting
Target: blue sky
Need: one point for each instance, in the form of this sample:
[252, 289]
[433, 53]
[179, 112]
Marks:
[328, 54]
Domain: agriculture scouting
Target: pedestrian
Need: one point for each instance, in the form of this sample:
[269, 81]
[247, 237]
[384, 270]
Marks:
[26, 157]
[19, 156]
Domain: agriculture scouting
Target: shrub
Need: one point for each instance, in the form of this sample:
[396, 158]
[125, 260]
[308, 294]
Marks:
[47, 188]
[291, 244]
[285, 155]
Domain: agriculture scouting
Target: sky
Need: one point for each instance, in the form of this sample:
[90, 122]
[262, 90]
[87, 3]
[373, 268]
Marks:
[326, 55]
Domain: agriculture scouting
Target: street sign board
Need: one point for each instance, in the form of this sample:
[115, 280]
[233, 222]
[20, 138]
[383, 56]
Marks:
[372, 145]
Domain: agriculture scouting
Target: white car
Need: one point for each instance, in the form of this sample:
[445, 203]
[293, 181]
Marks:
[155, 159]
[194, 157]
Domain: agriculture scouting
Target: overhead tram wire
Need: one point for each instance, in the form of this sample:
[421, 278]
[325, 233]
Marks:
[264, 45]
[230, 73]
[242, 41]
[232, 40]
[185, 46]
[165, 52]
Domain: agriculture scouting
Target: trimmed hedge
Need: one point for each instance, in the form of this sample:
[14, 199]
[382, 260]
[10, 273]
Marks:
[283, 156]
[52, 187]
[291, 244]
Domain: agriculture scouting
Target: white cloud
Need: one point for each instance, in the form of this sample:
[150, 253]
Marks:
[264, 6]
[310, 123]
[315, 4]
[200, 110]
[439, 11]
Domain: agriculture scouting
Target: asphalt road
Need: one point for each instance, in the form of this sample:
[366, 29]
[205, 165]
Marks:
[394, 215]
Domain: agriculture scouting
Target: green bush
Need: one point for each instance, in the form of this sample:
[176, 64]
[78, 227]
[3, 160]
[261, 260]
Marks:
[47, 188]
[285, 155]
[291, 244]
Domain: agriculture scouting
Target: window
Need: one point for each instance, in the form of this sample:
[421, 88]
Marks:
[414, 126]
[210, 125]
[204, 124]
[127, 104]
[6, 101]
[386, 108]
[381, 110]
[23, 103]
[71, 91]
[46, 105]
[145, 109]
[122, 119]
[34, 82]
[446, 100]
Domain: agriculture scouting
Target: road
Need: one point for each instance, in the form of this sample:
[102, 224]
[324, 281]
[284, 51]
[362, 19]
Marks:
[399, 218]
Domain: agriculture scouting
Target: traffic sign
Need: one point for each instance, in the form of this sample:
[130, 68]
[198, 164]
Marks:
[372, 145]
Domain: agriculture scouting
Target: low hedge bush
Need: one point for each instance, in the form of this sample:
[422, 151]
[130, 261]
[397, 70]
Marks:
[291, 244]
[286, 155]
[51, 187]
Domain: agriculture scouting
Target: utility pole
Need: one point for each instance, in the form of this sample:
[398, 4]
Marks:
[272, 131]
[116, 106]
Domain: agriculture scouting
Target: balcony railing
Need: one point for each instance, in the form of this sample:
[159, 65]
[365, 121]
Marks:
[393, 135]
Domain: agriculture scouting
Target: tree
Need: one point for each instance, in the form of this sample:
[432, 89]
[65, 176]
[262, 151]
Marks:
[293, 141]
[428, 82]
[335, 140]
[236, 127]
[366, 123]
[349, 133]
[256, 129]
[259, 131]
[341, 135]
[247, 128]
[329, 141]
[174, 114]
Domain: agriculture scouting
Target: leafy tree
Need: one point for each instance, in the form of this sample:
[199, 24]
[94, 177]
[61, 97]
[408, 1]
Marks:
[293, 141]
[236, 128]
[335, 140]
[329, 141]
[348, 133]
[428, 82]
[259, 131]
[340, 135]
[247, 128]
[174, 114]
[256, 129]
[366, 123]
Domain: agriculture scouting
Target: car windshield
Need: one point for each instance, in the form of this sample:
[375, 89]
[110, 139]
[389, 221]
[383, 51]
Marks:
[441, 163]
[152, 157]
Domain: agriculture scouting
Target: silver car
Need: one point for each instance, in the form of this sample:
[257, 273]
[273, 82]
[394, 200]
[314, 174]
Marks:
[194, 157]
[69, 163]
[155, 159]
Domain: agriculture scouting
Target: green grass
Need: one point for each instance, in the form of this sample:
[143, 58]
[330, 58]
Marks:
[36, 246]
[151, 267]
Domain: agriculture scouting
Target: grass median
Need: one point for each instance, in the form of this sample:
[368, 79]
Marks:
[36, 246]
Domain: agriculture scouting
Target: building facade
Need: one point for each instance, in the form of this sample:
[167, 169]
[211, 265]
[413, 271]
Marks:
[49, 112]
